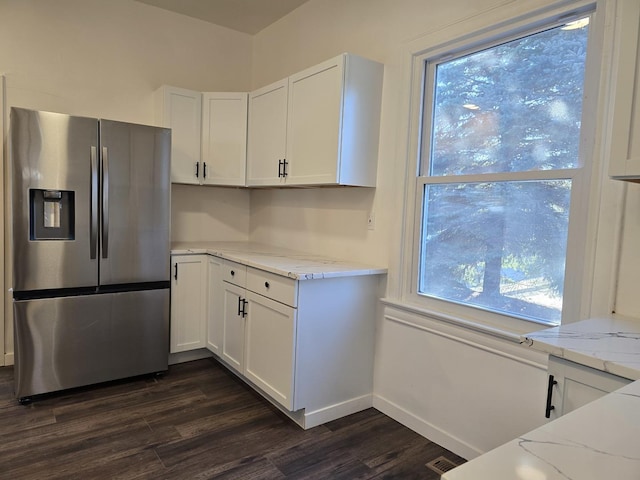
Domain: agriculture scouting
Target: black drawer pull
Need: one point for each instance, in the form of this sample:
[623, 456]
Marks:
[552, 382]
[266, 284]
[232, 273]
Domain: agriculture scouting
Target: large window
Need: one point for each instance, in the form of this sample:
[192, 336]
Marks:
[500, 156]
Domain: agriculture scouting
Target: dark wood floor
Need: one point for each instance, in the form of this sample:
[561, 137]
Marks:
[196, 422]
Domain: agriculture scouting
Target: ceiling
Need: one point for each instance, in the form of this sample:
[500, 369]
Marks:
[248, 16]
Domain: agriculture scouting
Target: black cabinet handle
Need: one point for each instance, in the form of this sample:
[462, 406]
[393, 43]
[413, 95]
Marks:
[552, 382]
[284, 167]
[266, 285]
[204, 169]
[244, 308]
[239, 303]
[197, 169]
[280, 165]
[232, 273]
[175, 272]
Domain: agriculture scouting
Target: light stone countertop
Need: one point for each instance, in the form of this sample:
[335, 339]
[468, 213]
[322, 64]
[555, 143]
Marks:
[598, 441]
[281, 261]
[608, 344]
[595, 442]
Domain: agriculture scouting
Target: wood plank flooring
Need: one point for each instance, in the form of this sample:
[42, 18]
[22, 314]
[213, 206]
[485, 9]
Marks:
[196, 422]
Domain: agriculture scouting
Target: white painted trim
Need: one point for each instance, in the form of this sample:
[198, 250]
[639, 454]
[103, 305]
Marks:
[3, 264]
[460, 322]
[339, 410]
[470, 343]
[488, 25]
[425, 428]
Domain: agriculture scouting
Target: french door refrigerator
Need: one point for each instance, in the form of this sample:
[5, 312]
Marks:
[90, 241]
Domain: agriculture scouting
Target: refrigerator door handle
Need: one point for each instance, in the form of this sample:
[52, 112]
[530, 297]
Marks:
[93, 221]
[105, 202]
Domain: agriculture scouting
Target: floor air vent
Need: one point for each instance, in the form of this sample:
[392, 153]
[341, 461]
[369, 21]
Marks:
[441, 465]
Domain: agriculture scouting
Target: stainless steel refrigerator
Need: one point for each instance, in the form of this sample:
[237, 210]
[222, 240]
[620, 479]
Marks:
[90, 241]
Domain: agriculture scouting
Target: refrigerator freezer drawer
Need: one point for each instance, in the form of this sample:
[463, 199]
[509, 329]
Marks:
[69, 342]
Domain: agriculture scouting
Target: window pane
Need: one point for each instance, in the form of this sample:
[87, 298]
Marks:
[499, 246]
[513, 107]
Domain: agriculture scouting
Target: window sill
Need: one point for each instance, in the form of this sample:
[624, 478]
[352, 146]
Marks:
[514, 335]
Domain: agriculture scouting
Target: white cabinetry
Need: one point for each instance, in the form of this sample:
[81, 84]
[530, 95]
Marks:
[215, 312]
[270, 339]
[267, 136]
[625, 124]
[306, 345]
[234, 313]
[224, 138]
[208, 135]
[188, 302]
[572, 385]
[181, 111]
[318, 127]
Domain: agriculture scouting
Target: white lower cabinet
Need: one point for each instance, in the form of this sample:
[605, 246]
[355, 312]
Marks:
[188, 302]
[233, 302]
[572, 385]
[214, 299]
[306, 345]
[270, 347]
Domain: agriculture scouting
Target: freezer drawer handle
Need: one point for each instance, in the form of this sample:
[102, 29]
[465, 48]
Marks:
[105, 202]
[93, 223]
[550, 407]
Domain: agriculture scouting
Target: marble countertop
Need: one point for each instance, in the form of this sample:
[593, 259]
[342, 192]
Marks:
[597, 441]
[607, 344]
[281, 261]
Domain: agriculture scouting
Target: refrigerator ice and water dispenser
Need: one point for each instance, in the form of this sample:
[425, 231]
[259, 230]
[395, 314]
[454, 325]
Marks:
[51, 215]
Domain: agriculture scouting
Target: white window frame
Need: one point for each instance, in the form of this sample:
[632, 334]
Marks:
[451, 42]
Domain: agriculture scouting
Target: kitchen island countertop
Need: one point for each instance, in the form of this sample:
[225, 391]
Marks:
[281, 261]
[594, 442]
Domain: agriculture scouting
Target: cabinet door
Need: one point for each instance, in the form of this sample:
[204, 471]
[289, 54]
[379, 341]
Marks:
[182, 112]
[270, 348]
[267, 134]
[233, 326]
[224, 138]
[188, 302]
[215, 305]
[625, 125]
[578, 385]
[314, 118]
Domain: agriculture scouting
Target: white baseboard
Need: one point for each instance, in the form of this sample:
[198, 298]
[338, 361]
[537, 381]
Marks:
[8, 359]
[338, 410]
[426, 429]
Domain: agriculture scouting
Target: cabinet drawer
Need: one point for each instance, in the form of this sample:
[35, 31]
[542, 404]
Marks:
[276, 287]
[235, 273]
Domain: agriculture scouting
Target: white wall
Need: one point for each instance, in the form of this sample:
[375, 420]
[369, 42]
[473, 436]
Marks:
[468, 391]
[105, 59]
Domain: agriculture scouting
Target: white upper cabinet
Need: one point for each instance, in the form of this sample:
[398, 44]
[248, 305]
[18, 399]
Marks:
[181, 111]
[332, 117]
[267, 137]
[625, 125]
[208, 135]
[224, 138]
